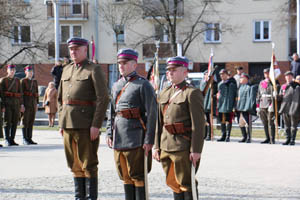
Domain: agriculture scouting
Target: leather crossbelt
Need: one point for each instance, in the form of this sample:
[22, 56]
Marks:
[178, 129]
[132, 113]
[79, 102]
[12, 94]
[31, 94]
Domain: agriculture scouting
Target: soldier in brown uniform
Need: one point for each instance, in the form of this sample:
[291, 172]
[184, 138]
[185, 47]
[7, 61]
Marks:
[180, 129]
[131, 124]
[31, 101]
[13, 104]
[82, 100]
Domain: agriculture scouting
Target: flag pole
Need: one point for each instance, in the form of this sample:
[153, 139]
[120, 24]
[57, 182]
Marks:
[211, 100]
[275, 92]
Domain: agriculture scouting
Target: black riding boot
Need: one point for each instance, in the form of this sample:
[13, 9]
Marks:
[249, 135]
[288, 137]
[294, 132]
[267, 140]
[208, 133]
[79, 183]
[30, 135]
[91, 188]
[129, 191]
[7, 136]
[1, 132]
[228, 131]
[140, 193]
[25, 136]
[223, 129]
[273, 134]
[188, 196]
[13, 134]
[244, 134]
[178, 196]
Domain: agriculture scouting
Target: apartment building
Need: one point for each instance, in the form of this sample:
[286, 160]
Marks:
[239, 33]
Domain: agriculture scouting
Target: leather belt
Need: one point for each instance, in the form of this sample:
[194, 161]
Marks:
[132, 113]
[31, 94]
[266, 95]
[12, 94]
[79, 103]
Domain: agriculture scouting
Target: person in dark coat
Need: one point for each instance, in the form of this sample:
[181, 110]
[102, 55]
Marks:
[286, 96]
[207, 104]
[294, 111]
[131, 124]
[242, 107]
[226, 96]
[295, 65]
[57, 70]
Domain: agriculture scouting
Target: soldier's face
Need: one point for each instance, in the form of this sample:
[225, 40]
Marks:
[288, 78]
[243, 80]
[126, 66]
[11, 72]
[177, 74]
[78, 53]
[266, 75]
[29, 74]
[223, 76]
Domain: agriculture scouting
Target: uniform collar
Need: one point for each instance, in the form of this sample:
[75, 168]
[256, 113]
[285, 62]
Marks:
[129, 76]
[180, 85]
[81, 63]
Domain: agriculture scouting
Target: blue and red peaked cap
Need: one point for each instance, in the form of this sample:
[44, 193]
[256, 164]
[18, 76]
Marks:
[178, 61]
[244, 75]
[28, 68]
[128, 54]
[11, 66]
[76, 41]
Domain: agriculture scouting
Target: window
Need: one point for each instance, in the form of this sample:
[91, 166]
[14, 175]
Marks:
[68, 31]
[27, 1]
[113, 74]
[120, 33]
[213, 33]
[21, 34]
[161, 33]
[262, 31]
[76, 7]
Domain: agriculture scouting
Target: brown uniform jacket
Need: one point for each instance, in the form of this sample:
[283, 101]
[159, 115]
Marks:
[12, 97]
[82, 96]
[30, 92]
[187, 108]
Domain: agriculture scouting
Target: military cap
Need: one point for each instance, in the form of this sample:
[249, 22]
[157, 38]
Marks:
[28, 68]
[289, 73]
[128, 54]
[266, 70]
[76, 41]
[178, 61]
[11, 66]
[244, 75]
[239, 68]
[205, 72]
[223, 71]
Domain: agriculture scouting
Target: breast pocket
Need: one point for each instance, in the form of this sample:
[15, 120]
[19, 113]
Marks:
[179, 105]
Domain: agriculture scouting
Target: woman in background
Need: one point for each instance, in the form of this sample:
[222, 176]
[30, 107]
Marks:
[50, 102]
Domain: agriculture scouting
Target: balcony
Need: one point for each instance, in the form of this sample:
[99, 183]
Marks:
[150, 49]
[155, 9]
[69, 11]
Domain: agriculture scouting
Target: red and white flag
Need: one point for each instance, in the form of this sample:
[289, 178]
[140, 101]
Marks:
[93, 48]
[274, 68]
[155, 74]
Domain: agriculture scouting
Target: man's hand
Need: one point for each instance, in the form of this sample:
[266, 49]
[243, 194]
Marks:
[194, 157]
[147, 148]
[156, 155]
[109, 142]
[94, 133]
[61, 131]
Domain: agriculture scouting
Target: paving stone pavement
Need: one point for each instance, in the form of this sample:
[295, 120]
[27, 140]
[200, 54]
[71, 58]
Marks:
[228, 171]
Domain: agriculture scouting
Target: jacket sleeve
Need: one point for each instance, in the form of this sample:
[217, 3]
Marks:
[158, 127]
[195, 100]
[101, 96]
[110, 121]
[148, 98]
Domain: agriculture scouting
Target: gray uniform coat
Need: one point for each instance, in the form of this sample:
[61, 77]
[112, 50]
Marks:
[129, 133]
[228, 91]
[243, 103]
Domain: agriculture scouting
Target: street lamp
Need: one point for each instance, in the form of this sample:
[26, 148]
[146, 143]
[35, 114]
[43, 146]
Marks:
[56, 28]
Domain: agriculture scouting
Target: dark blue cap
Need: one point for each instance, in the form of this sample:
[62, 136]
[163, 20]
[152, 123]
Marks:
[128, 54]
[178, 61]
[266, 70]
[223, 71]
[289, 73]
[76, 41]
[11, 66]
[244, 75]
[28, 68]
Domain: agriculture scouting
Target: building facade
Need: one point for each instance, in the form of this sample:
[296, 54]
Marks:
[239, 33]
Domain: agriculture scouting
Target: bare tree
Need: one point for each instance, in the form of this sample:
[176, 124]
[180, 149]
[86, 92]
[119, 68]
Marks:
[14, 13]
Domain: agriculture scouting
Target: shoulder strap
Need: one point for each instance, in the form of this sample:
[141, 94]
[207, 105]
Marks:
[172, 98]
[11, 85]
[125, 86]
